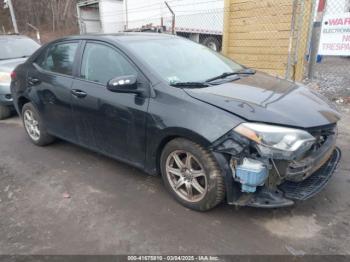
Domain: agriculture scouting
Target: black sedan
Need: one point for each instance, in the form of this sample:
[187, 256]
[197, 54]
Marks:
[212, 128]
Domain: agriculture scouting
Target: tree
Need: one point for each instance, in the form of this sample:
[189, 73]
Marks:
[55, 17]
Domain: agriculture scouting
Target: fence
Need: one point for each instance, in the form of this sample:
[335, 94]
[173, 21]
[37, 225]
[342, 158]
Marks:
[331, 72]
[269, 35]
[199, 20]
[277, 36]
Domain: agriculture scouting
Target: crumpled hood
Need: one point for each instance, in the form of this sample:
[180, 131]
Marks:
[11, 64]
[264, 98]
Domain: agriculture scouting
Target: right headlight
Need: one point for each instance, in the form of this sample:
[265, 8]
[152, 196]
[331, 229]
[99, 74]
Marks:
[276, 141]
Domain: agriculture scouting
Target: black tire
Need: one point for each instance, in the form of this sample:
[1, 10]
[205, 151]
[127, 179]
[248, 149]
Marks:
[215, 189]
[44, 138]
[5, 112]
[212, 42]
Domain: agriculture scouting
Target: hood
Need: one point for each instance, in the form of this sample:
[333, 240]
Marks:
[264, 98]
[10, 64]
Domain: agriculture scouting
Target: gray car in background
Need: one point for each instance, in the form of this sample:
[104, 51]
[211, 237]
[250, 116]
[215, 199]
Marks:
[14, 50]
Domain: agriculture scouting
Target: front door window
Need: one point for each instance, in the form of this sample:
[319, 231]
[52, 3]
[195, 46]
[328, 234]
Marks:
[102, 63]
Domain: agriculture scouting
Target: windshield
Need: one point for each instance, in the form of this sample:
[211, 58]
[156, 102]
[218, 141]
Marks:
[180, 60]
[17, 47]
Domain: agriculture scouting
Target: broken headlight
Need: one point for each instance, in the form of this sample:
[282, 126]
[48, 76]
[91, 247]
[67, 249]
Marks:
[275, 141]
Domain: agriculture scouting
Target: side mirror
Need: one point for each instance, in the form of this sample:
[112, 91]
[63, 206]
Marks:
[123, 84]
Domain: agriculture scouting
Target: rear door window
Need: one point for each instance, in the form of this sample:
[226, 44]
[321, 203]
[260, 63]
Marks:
[59, 58]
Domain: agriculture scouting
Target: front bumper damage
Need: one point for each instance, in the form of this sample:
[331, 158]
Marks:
[288, 180]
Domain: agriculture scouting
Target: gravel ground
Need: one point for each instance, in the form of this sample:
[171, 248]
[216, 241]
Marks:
[332, 79]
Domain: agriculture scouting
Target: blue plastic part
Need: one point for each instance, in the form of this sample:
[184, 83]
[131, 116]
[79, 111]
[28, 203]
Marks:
[251, 176]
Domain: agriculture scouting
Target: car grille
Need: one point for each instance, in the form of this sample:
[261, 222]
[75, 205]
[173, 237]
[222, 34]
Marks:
[315, 183]
[322, 134]
[316, 156]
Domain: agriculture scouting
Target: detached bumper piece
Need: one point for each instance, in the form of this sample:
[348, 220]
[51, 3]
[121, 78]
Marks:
[266, 198]
[313, 184]
[300, 170]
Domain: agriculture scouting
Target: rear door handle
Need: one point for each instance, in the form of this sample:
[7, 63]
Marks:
[33, 81]
[78, 93]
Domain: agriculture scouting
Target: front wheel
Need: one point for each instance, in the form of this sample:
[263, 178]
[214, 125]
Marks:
[191, 175]
[34, 126]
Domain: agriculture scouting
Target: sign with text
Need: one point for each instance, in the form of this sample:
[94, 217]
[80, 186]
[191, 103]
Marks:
[335, 35]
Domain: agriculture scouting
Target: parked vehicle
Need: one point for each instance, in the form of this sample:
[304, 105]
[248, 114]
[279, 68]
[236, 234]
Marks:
[15, 50]
[198, 20]
[214, 129]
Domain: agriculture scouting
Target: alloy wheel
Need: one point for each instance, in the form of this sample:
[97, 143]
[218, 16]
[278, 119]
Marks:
[32, 125]
[186, 176]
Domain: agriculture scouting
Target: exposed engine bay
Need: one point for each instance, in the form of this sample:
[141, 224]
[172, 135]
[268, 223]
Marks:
[274, 167]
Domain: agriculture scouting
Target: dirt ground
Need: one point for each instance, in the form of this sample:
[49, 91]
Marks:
[63, 199]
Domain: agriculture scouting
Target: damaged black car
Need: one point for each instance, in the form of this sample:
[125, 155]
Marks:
[215, 130]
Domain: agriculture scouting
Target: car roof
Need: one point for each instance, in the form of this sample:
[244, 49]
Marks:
[120, 37]
[14, 36]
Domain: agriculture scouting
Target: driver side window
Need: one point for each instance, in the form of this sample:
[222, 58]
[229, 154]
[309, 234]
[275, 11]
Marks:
[102, 63]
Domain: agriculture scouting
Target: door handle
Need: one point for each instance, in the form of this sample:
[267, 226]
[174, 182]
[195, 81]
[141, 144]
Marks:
[33, 81]
[78, 93]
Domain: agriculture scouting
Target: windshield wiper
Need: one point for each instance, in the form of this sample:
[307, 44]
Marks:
[10, 58]
[246, 71]
[189, 84]
[206, 83]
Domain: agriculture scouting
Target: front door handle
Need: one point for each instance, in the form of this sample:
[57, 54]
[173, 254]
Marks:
[32, 81]
[78, 93]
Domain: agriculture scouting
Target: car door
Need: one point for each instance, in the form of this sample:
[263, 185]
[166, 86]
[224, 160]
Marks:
[51, 77]
[109, 122]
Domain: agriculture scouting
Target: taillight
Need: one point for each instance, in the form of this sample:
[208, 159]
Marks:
[13, 75]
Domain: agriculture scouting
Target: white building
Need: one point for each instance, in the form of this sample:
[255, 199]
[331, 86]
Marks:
[97, 16]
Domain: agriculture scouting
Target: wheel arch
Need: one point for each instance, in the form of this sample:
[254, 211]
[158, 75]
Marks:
[21, 101]
[173, 133]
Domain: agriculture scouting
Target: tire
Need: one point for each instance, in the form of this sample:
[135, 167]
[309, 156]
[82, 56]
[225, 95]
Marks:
[42, 138]
[213, 43]
[201, 164]
[5, 112]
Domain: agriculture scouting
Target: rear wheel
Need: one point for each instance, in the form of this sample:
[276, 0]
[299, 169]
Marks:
[192, 175]
[213, 43]
[34, 126]
[5, 112]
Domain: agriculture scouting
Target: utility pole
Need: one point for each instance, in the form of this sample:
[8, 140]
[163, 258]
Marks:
[315, 38]
[126, 15]
[12, 12]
